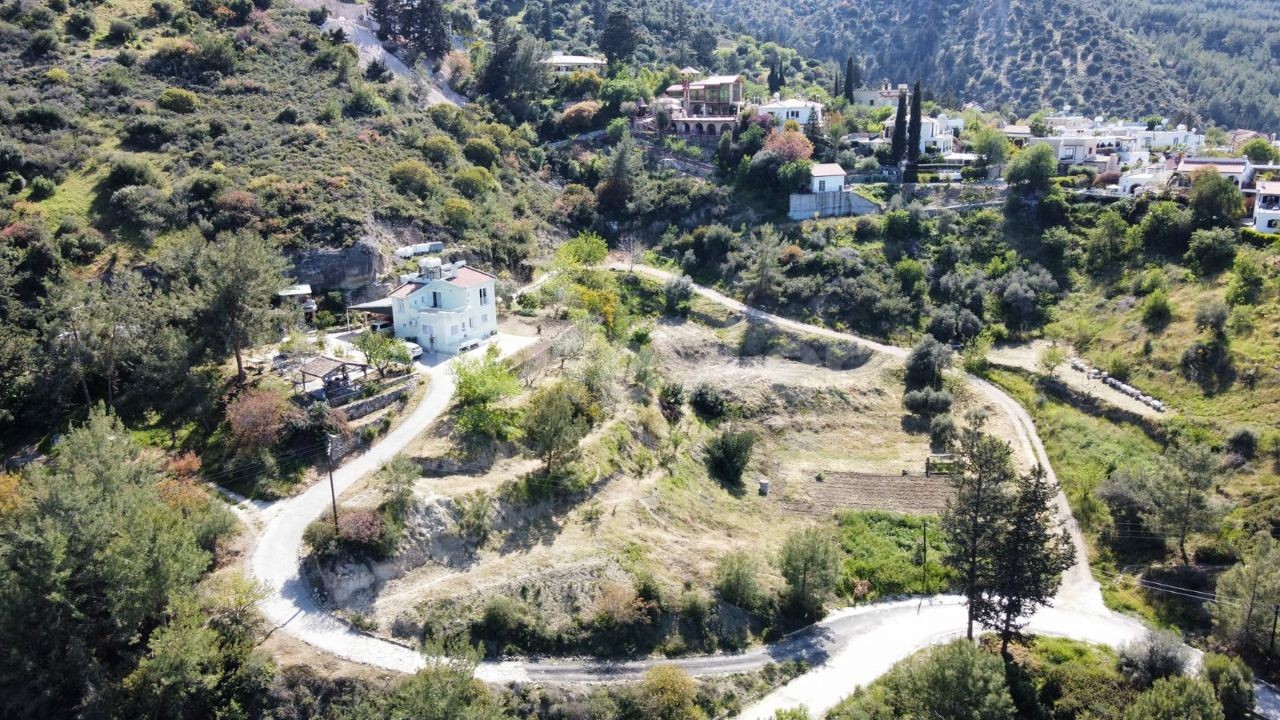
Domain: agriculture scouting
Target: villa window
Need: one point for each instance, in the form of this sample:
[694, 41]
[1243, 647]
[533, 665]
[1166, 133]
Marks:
[1273, 224]
[435, 298]
[484, 296]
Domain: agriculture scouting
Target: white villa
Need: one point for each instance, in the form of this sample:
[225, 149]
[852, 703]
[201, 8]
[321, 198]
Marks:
[827, 177]
[446, 308]
[935, 135]
[562, 64]
[1237, 170]
[883, 96]
[798, 109]
[1266, 211]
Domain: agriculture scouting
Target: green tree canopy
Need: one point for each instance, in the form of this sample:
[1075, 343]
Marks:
[1031, 169]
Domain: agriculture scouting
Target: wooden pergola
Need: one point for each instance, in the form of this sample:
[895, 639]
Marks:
[332, 373]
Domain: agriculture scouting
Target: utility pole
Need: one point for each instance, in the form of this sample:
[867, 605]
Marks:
[333, 496]
[925, 565]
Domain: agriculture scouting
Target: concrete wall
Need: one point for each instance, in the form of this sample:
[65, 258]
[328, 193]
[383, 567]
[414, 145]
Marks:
[830, 204]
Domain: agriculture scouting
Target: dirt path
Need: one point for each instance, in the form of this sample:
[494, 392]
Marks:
[351, 19]
[1027, 357]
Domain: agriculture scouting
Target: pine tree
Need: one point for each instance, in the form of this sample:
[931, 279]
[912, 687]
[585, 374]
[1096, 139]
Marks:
[618, 40]
[425, 25]
[1030, 557]
[973, 518]
[899, 143]
[384, 13]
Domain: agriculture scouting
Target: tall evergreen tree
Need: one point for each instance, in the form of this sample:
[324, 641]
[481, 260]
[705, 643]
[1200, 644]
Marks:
[836, 86]
[238, 276]
[898, 147]
[384, 13]
[973, 518]
[619, 39]
[773, 77]
[426, 26]
[1030, 557]
[850, 82]
[548, 32]
[913, 126]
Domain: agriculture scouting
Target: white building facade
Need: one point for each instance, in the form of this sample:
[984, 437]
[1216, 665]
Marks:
[801, 111]
[827, 177]
[1266, 210]
[446, 308]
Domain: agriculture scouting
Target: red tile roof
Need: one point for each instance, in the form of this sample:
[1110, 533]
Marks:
[470, 277]
[405, 290]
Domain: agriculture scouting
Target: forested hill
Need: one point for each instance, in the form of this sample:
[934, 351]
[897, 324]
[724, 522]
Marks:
[1129, 59]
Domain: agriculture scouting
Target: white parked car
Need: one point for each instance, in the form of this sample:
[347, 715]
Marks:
[415, 350]
[386, 327]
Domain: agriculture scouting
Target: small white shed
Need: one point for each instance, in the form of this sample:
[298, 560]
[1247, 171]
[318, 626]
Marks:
[827, 177]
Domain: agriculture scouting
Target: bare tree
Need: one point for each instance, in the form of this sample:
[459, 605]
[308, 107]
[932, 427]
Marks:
[632, 247]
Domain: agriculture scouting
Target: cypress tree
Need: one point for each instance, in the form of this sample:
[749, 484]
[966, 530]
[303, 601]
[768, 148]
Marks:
[548, 32]
[848, 79]
[899, 144]
[913, 127]
[835, 87]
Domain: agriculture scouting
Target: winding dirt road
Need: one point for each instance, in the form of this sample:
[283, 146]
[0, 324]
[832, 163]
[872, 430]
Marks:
[850, 647]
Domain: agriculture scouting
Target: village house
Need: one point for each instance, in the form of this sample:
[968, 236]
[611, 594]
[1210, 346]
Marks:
[827, 177]
[1238, 170]
[936, 137]
[1266, 210]
[800, 110]
[884, 96]
[1018, 135]
[706, 106]
[562, 64]
[1104, 153]
[446, 308]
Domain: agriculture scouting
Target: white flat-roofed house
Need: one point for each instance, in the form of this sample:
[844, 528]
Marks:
[827, 177]
[1266, 210]
[797, 109]
[445, 308]
[1237, 170]
[562, 64]
[936, 137]
[884, 96]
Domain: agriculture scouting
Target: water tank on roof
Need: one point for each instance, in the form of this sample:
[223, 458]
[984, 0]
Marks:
[429, 267]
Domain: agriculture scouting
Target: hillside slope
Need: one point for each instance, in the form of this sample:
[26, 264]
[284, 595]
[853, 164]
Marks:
[1150, 56]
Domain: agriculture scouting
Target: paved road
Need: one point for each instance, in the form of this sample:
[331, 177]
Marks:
[850, 647]
[276, 557]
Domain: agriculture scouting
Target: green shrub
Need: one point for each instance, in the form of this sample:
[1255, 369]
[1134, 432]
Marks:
[321, 536]
[481, 151]
[81, 25]
[178, 100]
[728, 455]
[709, 401]
[129, 170]
[440, 149]
[1232, 683]
[459, 213]
[121, 31]
[365, 102]
[737, 581]
[42, 187]
[42, 43]
[413, 177]
[1157, 311]
[473, 181]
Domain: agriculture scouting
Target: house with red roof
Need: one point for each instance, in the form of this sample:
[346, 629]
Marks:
[445, 308]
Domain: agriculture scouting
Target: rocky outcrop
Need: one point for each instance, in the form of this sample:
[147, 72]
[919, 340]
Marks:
[348, 269]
